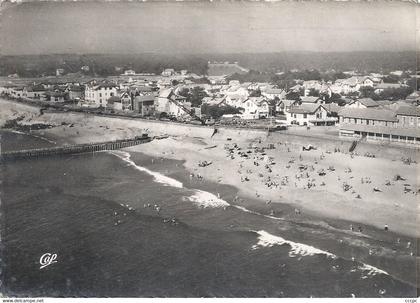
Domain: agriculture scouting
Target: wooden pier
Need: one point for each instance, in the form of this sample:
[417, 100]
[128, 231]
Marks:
[73, 149]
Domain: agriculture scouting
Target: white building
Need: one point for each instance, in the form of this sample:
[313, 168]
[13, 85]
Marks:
[309, 114]
[99, 94]
[168, 72]
[129, 72]
[172, 104]
[256, 108]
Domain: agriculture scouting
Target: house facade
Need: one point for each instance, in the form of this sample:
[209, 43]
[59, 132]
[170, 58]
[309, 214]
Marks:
[99, 94]
[408, 116]
[380, 125]
[172, 104]
[284, 105]
[145, 105]
[309, 114]
[256, 108]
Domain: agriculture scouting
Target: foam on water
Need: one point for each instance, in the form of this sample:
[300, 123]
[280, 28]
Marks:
[125, 156]
[256, 213]
[206, 199]
[372, 270]
[266, 239]
[45, 139]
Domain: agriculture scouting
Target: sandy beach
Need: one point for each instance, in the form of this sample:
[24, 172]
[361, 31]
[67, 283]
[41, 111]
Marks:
[326, 182]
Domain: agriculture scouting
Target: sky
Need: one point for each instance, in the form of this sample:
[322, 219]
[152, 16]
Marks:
[206, 27]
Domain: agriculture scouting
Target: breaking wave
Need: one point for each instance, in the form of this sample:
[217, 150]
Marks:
[266, 239]
[125, 156]
[372, 270]
[206, 199]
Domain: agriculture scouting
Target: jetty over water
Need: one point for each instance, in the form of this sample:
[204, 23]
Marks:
[73, 149]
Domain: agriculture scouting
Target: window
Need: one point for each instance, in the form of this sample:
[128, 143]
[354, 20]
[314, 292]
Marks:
[367, 121]
[100, 94]
[305, 116]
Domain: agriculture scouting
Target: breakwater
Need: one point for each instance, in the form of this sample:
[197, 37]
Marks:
[73, 149]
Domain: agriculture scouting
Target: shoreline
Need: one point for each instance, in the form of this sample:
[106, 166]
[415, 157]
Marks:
[324, 199]
[308, 221]
[178, 149]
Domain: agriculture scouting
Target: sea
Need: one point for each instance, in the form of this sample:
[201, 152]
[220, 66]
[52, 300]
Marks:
[123, 224]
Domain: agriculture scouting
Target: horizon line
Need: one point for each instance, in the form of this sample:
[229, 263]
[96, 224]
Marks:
[209, 53]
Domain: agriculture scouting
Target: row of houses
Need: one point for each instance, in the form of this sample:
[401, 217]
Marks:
[346, 86]
[44, 92]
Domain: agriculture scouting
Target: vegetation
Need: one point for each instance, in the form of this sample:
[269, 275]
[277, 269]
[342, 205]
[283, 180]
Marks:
[386, 94]
[194, 95]
[313, 92]
[216, 111]
[311, 64]
[293, 96]
[255, 93]
[251, 76]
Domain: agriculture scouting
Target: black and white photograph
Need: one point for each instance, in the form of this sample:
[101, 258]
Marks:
[209, 149]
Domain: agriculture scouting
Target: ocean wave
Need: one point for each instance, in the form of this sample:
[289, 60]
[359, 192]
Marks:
[125, 156]
[43, 138]
[256, 213]
[266, 239]
[372, 270]
[206, 199]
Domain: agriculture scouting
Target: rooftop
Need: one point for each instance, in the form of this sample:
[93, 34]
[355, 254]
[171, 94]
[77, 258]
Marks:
[408, 111]
[309, 99]
[368, 102]
[368, 113]
[306, 108]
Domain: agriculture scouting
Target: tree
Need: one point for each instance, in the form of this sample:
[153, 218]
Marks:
[367, 92]
[313, 92]
[194, 95]
[216, 111]
[395, 93]
[255, 93]
[292, 95]
[391, 79]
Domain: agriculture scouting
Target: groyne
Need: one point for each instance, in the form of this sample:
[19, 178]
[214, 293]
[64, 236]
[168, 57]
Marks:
[72, 149]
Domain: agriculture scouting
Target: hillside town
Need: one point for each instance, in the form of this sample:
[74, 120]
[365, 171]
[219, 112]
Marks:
[381, 107]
